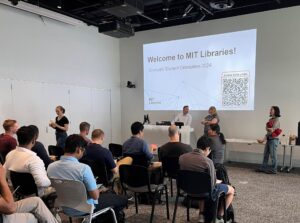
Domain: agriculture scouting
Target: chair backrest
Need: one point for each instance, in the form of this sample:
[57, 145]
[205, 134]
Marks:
[134, 176]
[170, 166]
[194, 183]
[25, 182]
[139, 159]
[116, 150]
[71, 194]
[55, 151]
[98, 169]
[1, 159]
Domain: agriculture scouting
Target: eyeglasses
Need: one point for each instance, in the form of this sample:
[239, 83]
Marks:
[82, 149]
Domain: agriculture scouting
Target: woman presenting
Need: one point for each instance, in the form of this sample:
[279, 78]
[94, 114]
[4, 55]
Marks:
[272, 141]
[61, 125]
[211, 119]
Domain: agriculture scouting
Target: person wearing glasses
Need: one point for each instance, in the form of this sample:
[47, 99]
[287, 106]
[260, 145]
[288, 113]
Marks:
[68, 167]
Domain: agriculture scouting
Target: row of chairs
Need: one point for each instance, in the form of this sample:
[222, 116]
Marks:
[115, 149]
[196, 186]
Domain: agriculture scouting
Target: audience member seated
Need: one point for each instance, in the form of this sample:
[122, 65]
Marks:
[84, 128]
[23, 160]
[135, 145]
[68, 167]
[198, 161]
[96, 152]
[173, 147]
[39, 148]
[7, 141]
[217, 144]
[29, 210]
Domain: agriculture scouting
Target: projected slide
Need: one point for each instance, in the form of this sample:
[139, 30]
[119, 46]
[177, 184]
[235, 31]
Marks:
[216, 70]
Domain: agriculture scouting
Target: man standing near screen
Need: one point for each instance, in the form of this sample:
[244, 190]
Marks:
[184, 116]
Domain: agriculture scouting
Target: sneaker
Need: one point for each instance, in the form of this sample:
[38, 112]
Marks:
[270, 171]
[201, 218]
[219, 220]
[260, 170]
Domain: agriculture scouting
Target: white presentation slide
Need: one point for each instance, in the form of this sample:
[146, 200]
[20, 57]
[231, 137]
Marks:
[216, 70]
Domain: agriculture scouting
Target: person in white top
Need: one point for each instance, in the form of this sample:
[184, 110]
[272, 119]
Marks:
[184, 116]
[23, 160]
[29, 210]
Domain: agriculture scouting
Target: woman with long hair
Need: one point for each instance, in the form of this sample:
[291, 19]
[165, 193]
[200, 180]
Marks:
[218, 144]
[210, 119]
[272, 141]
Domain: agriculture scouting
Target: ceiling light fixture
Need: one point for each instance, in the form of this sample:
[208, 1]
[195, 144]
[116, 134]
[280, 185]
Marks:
[44, 12]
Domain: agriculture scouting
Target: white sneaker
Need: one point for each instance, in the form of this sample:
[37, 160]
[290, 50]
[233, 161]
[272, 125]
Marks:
[201, 218]
[219, 220]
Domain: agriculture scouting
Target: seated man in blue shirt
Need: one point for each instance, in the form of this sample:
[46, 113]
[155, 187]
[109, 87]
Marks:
[68, 167]
[136, 146]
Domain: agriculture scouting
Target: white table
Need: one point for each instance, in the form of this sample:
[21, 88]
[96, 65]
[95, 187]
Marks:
[158, 134]
[251, 149]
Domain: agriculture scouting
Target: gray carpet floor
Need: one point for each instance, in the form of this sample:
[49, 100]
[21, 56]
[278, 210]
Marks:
[263, 198]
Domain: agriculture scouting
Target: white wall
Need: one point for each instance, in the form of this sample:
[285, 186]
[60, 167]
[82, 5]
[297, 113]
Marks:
[47, 51]
[277, 72]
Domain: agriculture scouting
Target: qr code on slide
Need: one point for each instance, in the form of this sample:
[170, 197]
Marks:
[235, 88]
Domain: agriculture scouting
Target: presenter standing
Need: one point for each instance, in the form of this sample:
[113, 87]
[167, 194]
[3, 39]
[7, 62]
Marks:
[211, 119]
[184, 116]
[272, 141]
[61, 126]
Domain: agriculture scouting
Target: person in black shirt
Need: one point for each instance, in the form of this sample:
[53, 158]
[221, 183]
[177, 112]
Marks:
[173, 147]
[39, 148]
[61, 126]
[96, 152]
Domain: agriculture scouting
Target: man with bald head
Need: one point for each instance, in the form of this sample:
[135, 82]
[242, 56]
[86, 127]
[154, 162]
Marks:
[173, 147]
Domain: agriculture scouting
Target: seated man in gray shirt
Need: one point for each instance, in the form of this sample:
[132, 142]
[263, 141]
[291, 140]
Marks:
[197, 161]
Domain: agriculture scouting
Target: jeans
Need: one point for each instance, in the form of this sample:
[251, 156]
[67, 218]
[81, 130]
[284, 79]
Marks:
[270, 150]
[61, 139]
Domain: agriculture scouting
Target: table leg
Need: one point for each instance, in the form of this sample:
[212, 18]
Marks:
[291, 160]
[283, 159]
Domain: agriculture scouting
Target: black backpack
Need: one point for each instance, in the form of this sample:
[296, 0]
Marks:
[222, 174]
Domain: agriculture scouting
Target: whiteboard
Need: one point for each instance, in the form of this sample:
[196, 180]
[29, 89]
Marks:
[35, 102]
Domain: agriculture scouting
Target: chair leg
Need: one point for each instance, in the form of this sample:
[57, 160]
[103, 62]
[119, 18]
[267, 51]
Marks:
[225, 211]
[153, 205]
[114, 215]
[136, 204]
[70, 219]
[171, 183]
[167, 202]
[216, 210]
[188, 208]
[175, 208]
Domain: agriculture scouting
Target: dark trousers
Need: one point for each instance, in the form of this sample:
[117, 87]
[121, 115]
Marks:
[61, 139]
[105, 200]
